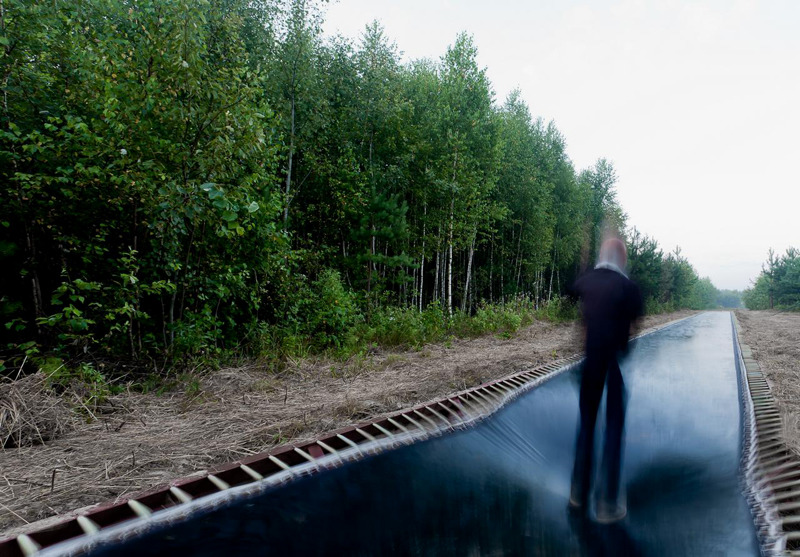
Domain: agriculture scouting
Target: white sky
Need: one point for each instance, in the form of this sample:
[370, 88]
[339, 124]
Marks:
[694, 102]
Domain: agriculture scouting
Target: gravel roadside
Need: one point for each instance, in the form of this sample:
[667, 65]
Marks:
[774, 337]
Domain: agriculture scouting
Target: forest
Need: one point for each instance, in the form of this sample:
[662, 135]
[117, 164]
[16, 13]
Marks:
[203, 179]
[778, 284]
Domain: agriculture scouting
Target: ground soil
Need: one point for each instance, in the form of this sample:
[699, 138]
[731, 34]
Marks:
[774, 338]
[141, 440]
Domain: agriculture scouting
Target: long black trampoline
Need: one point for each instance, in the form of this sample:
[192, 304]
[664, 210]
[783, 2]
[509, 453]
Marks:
[501, 486]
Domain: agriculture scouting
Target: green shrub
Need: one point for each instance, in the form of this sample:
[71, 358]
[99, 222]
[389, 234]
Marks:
[558, 310]
[87, 383]
[653, 307]
[398, 326]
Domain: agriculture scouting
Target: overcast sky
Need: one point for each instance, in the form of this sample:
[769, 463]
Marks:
[694, 102]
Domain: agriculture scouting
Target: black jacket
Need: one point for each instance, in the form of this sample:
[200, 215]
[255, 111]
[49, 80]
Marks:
[610, 302]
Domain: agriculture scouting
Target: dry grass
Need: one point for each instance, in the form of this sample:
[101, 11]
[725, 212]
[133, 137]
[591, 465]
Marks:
[774, 338]
[142, 440]
[30, 413]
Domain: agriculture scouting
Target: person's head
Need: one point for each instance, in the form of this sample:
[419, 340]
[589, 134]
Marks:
[613, 251]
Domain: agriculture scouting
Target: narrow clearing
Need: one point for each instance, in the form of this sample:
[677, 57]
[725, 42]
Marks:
[143, 440]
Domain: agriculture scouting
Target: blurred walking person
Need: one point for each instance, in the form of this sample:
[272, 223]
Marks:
[610, 303]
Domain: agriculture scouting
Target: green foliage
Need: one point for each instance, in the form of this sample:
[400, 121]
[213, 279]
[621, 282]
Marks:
[186, 180]
[758, 295]
[559, 310]
[670, 282]
[331, 313]
[397, 326]
[84, 381]
[652, 306]
[729, 299]
[778, 285]
[704, 295]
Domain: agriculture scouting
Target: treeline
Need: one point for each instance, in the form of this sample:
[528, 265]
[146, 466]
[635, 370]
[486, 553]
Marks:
[778, 284]
[190, 177]
[669, 282]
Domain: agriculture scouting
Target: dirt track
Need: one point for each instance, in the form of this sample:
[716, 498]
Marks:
[147, 439]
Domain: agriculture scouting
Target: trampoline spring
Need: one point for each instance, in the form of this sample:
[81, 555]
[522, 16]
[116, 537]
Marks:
[773, 452]
[489, 402]
[784, 485]
[771, 444]
[304, 454]
[250, 472]
[330, 449]
[398, 425]
[783, 476]
[790, 519]
[426, 418]
[222, 485]
[452, 412]
[786, 495]
[469, 404]
[768, 415]
[783, 507]
[490, 397]
[502, 393]
[348, 441]
[279, 462]
[383, 430]
[88, 525]
[140, 509]
[27, 545]
[765, 417]
[180, 494]
[780, 463]
[768, 409]
[500, 385]
[413, 421]
[438, 415]
[495, 395]
[767, 421]
[364, 434]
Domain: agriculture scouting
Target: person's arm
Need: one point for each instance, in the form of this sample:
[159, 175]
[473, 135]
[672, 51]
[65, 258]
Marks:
[635, 307]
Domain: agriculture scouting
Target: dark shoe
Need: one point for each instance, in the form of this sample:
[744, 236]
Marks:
[608, 513]
[575, 503]
[577, 499]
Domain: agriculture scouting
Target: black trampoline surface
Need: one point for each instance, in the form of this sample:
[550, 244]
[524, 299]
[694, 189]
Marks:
[501, 487]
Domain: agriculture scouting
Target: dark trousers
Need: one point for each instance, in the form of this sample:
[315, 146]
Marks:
[600, 368]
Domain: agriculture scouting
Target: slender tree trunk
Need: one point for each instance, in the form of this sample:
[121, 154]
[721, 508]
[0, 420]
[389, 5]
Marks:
[518, 270]
[422, 263]
[491, 270]
[289, 170]
[36, 285]
[502, 277]
[450, 258]
[436, 277]
[469, 270]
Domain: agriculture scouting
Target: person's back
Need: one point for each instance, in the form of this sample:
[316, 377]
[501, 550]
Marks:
[610, 302]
